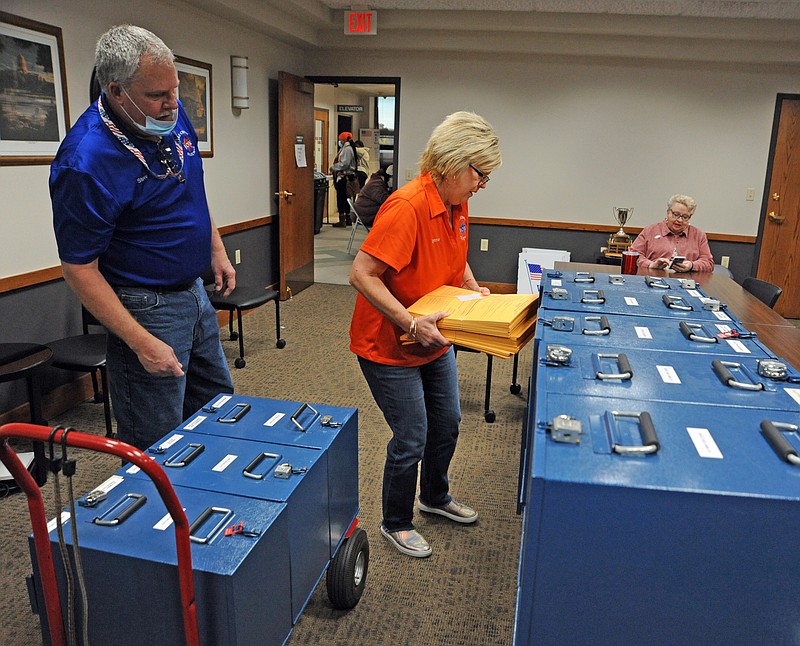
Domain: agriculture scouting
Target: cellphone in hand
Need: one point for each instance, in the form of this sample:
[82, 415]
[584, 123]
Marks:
[676, 260]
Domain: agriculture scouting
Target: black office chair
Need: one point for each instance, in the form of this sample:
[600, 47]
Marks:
[244, 297]
[766, 292]
[86, 353]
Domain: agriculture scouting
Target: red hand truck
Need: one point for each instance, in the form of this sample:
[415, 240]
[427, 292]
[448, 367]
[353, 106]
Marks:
[44, 555]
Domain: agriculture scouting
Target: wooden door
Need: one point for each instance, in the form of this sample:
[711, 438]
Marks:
[779, 235]
[295, 183]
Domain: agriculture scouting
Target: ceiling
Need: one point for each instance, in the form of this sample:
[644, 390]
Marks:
[760, 32]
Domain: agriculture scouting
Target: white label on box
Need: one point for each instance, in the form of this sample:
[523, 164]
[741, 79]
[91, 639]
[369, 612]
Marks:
[131, 470]
[52, 524]
[224, 463]
[224, 399]
[704, 443]
[170, 441]
[274, 419]
[195, 423]
[556, 282]
[694, 292]
[722, 327]
[738, 346]
[109, 484]
[165, 522]
[668, 374]
[722, 316]
[794, 393]
[631, 300]
[642, 332]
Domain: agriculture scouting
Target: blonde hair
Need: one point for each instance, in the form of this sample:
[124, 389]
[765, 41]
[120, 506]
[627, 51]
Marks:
[463, 138]
[687, 201]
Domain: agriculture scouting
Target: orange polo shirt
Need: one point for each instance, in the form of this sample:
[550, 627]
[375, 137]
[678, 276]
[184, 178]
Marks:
[412, 235]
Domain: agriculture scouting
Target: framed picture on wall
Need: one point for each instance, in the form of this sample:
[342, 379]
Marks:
[194, 92]
[33, 91]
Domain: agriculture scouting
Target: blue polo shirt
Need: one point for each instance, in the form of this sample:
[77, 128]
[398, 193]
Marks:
[106, 205]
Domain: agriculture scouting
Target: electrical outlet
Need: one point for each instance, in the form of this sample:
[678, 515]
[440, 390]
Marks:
[725, 260]
[238, 255]
[750, 194]
[484, 244]
[409, 174]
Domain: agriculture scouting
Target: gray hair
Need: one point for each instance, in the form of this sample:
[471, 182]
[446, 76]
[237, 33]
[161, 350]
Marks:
[120, 50]
[687, 201]
[463, 138]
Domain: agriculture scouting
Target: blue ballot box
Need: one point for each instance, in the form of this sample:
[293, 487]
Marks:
[277, 472]
[629, 298]
[622, 282]
[295, 424]
[127, 549]
[617, 331]
[661, 375]
[658, 523]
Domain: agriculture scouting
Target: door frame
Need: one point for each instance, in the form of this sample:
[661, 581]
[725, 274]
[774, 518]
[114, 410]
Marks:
[776, 120]
[376, 80]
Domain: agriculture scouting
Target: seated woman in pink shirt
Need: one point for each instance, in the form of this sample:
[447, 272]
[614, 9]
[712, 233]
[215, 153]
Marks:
[674, 238]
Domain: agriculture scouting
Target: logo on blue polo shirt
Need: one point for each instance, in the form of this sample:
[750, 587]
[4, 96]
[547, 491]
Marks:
[186, 142]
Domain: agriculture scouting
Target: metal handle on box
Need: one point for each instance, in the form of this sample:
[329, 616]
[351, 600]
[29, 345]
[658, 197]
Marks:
[247, 472]
[688, 330]
[676, 303]
[133, 502]
[779, 443]
[650, 443]
[722, 370]
[194, 450]
[603, 329]
[299, 412]
[208, 512]
[593, 296]
[625, 370]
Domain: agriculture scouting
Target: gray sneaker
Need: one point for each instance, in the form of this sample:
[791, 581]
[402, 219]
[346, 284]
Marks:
[408, 541]
[453, 510]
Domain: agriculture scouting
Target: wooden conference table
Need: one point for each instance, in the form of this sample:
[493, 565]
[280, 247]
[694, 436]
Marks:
[778, 334]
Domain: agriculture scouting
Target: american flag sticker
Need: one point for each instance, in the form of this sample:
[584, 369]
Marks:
[535, 271]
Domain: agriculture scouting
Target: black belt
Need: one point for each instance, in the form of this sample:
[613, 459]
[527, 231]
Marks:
[162, 289]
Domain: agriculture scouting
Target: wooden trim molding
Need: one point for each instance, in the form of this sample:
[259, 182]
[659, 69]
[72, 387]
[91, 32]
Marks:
[596, 228]
[41, 276]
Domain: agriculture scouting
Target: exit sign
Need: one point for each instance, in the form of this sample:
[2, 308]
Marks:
[361, 23]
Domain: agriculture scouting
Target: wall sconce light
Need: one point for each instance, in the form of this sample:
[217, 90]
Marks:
[239, 97]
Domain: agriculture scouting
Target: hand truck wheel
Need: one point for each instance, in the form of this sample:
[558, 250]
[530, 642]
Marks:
[347, 572]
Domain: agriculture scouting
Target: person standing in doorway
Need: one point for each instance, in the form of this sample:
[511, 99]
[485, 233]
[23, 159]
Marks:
[344, 166]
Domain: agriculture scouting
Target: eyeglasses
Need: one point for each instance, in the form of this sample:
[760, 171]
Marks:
[680, 216]
[166, 157]
[483, 177]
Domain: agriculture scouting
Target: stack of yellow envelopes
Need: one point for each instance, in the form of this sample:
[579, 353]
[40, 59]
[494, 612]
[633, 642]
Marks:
[500, 324]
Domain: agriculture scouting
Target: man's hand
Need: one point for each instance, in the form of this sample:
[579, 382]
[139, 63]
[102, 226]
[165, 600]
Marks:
[159, 359]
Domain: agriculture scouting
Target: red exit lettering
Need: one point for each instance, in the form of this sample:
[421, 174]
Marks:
[360, 22]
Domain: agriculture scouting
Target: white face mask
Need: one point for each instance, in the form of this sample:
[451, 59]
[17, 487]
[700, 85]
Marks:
[153, 127]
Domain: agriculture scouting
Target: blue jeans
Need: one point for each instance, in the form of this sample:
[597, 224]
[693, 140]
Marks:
[422, 407]
[148, 407]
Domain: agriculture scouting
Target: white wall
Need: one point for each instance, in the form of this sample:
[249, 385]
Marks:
[579, 137]
[240, 178]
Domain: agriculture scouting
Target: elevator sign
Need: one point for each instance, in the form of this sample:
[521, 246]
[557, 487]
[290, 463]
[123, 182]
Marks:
[361, 23]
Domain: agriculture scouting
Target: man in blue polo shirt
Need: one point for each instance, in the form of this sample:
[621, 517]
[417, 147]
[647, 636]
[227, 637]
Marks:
[134, 234]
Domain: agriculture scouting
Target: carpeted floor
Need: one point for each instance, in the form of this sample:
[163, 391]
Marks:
[464, 595]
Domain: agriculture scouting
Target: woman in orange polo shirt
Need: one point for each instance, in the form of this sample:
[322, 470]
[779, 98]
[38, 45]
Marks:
[419, 242]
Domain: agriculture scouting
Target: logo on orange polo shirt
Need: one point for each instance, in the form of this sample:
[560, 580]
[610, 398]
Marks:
[462, 227]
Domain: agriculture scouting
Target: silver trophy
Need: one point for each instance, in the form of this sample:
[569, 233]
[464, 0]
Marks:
[620, 241]
[622, 215]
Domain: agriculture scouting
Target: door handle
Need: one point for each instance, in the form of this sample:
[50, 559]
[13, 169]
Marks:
[774, 217]
[284, 194]
[776, 196]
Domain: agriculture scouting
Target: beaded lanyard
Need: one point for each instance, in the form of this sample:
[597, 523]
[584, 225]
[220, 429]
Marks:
[123, 139]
